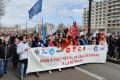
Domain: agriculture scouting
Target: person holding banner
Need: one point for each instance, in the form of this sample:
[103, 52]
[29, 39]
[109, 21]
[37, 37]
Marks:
[40, 41]
[83, 40]
[22, 51]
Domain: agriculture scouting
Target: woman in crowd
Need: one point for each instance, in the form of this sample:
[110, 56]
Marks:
[51, 44]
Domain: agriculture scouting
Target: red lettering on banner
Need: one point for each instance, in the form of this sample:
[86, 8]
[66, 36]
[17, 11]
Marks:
[64, 58]
[67, 57]
[51, 60]
[74, 49]
[41, 61]
[68, 50]
[91, 55]
[70, 59]
[71, 62]
[86, 55]
[56, 59]
[82, 56]
[44, 60]
[63, 63]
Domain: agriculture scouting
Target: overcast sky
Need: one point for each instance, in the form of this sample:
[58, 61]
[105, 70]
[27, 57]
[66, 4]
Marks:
[53, 11]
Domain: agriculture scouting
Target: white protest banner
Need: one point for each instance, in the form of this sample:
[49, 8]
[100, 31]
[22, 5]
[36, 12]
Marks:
[42, 59]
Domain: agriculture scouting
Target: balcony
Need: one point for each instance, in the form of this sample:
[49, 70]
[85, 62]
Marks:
[116, 11]
[113, 23]
[115, 3]
[111, 8]
[114, 18]
[111, 0]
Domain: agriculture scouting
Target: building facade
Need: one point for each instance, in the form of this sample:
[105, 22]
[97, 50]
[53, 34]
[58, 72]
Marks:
[15, 29]
[105, 16]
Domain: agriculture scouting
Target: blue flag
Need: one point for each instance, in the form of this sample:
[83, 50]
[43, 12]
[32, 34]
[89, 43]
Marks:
[44, 34]
[35, 9]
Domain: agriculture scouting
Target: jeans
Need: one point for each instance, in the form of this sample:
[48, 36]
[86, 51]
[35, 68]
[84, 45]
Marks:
[3, 67]
[23, 68]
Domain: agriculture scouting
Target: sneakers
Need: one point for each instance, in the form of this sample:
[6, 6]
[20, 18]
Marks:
[50, 72]
[37, 74]
[60, 70]
[114, 59]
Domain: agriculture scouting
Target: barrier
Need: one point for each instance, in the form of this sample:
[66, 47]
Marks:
[42, 59]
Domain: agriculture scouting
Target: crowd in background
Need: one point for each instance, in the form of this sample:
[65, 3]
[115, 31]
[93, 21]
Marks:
[15, 47]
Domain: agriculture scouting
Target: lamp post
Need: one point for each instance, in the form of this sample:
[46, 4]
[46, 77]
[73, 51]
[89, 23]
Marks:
[89, 17]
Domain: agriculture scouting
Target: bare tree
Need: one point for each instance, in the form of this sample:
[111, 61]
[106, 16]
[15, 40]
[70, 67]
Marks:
[61, 26]
[2, 7]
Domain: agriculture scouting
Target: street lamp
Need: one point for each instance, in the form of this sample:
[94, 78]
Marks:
[89, 17]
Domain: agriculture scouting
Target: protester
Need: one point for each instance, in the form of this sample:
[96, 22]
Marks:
[19, 49]
[93, 41]
[35, 41]
[97, 38]
[22, 51]
[118, 47]
[83, 40]
[5, 55]
[51, 44]
[40, 42]
[111, 47]
[14, 53]
[29, 40]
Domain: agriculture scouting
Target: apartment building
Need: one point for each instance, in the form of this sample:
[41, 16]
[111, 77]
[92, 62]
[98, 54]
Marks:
[105, 16]
[113, 15]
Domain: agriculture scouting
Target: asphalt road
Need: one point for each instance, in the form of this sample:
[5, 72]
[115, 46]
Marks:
[109, 71]
[66, 74]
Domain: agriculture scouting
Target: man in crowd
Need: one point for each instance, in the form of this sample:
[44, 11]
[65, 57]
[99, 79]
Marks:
[111, 46]
[22, 51]
[5, 54]
[83, 40]
[14, 53]
[118, 46]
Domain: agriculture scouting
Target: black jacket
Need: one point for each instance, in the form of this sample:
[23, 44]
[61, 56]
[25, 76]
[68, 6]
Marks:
[5, 51]
[14, 52]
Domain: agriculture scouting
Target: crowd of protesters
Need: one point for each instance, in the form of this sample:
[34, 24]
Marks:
[114, 47]
[16, 47]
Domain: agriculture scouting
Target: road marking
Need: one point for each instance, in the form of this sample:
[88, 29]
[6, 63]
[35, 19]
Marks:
[89, 73]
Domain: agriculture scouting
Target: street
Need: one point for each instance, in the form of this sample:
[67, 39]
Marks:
[50, 39]
[108, 71]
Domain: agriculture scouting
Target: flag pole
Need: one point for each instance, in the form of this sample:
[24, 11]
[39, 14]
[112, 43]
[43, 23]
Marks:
[26, 27]
[39, 32]
[42, 27]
